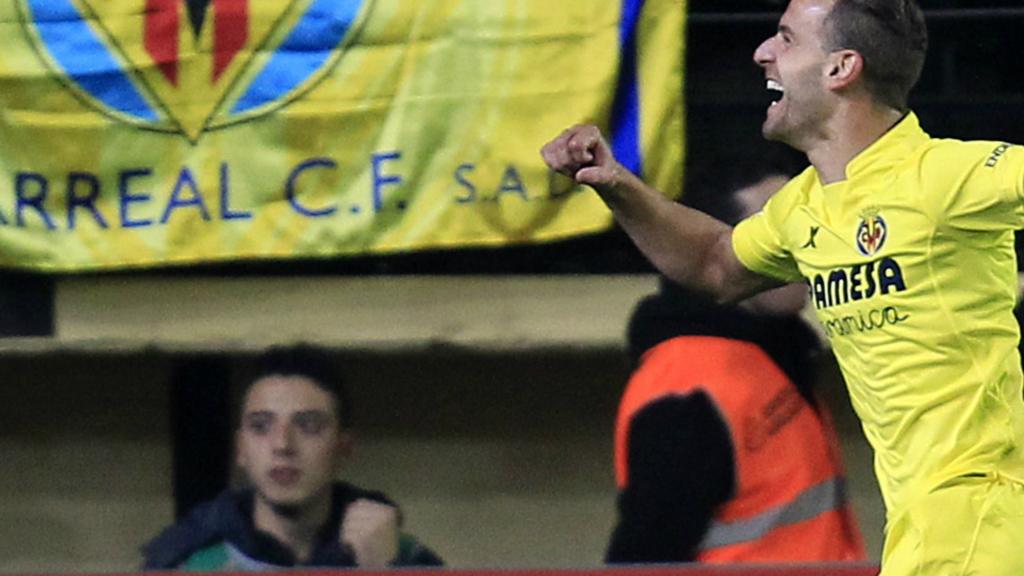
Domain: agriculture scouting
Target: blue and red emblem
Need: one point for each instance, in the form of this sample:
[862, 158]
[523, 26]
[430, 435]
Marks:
[242, 75]
[871, 234]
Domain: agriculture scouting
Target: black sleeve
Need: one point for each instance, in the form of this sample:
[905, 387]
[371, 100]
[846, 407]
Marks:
[680, 470]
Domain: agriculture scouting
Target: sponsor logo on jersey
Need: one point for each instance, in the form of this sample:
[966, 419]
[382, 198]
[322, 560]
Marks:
[856, 283]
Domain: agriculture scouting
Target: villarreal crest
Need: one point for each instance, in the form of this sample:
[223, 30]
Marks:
[871, 234]
[190, 66]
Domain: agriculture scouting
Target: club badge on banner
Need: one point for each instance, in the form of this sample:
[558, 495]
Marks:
[151, 132]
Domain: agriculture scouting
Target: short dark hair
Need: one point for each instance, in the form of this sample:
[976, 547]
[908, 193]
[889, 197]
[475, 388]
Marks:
[307, 361]
[713, 187]
[890, 35]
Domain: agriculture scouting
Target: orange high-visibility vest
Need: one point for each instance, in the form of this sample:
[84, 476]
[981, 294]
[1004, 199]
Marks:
[789, 502]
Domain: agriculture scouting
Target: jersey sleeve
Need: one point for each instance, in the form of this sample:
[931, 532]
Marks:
[759, 242]
[975, 186]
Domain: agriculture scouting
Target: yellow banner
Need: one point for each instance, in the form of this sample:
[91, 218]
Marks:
[152, 132]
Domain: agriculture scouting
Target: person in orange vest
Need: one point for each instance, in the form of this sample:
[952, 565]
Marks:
[722, 453]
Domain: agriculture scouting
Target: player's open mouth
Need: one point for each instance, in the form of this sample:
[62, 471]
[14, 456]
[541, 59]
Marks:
[775, 91]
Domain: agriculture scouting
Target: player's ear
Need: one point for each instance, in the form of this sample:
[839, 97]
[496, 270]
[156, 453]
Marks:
[843, 68]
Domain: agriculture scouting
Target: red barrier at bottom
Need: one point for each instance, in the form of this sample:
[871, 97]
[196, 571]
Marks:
[846, 569]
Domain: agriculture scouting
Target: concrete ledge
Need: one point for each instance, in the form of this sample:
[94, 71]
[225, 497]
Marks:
[381, 313]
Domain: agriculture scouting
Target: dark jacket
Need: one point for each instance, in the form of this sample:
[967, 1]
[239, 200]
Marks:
[219, 534]
[685, 481]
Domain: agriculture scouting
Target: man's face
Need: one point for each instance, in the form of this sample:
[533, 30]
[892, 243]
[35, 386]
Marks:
[290, 443]
[795, 65]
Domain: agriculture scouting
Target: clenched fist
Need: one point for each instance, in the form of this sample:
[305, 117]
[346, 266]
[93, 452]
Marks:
[582, 153]
[370, 530]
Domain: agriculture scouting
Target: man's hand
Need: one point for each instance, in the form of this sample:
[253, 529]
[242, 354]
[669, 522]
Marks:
[582, 154]
[689, 247]
[370, 529]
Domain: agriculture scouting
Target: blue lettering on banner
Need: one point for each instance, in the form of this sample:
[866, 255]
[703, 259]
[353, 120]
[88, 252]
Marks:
[460, 177]
[225, 197]
[185, 179]
[88, 202]
[82, 194]
[512, 182]
[127, 198]
[380, 179]
[34, 201]
[293, 199]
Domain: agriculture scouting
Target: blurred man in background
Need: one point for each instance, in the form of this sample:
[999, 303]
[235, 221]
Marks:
[292, 439]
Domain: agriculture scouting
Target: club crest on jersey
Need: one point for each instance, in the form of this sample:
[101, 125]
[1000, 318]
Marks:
[189, 66]
[871, 233]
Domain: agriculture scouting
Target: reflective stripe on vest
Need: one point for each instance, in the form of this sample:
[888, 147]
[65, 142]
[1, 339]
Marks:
[825, 497]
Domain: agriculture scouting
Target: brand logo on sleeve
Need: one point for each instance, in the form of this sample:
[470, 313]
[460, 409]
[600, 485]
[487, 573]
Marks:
[997, 154]
[812, 234]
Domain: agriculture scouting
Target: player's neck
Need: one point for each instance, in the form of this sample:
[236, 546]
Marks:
[849, 131]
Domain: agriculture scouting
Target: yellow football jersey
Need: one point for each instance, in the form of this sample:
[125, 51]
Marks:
[911, 269]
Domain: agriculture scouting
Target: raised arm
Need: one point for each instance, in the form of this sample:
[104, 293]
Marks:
[686, 245]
